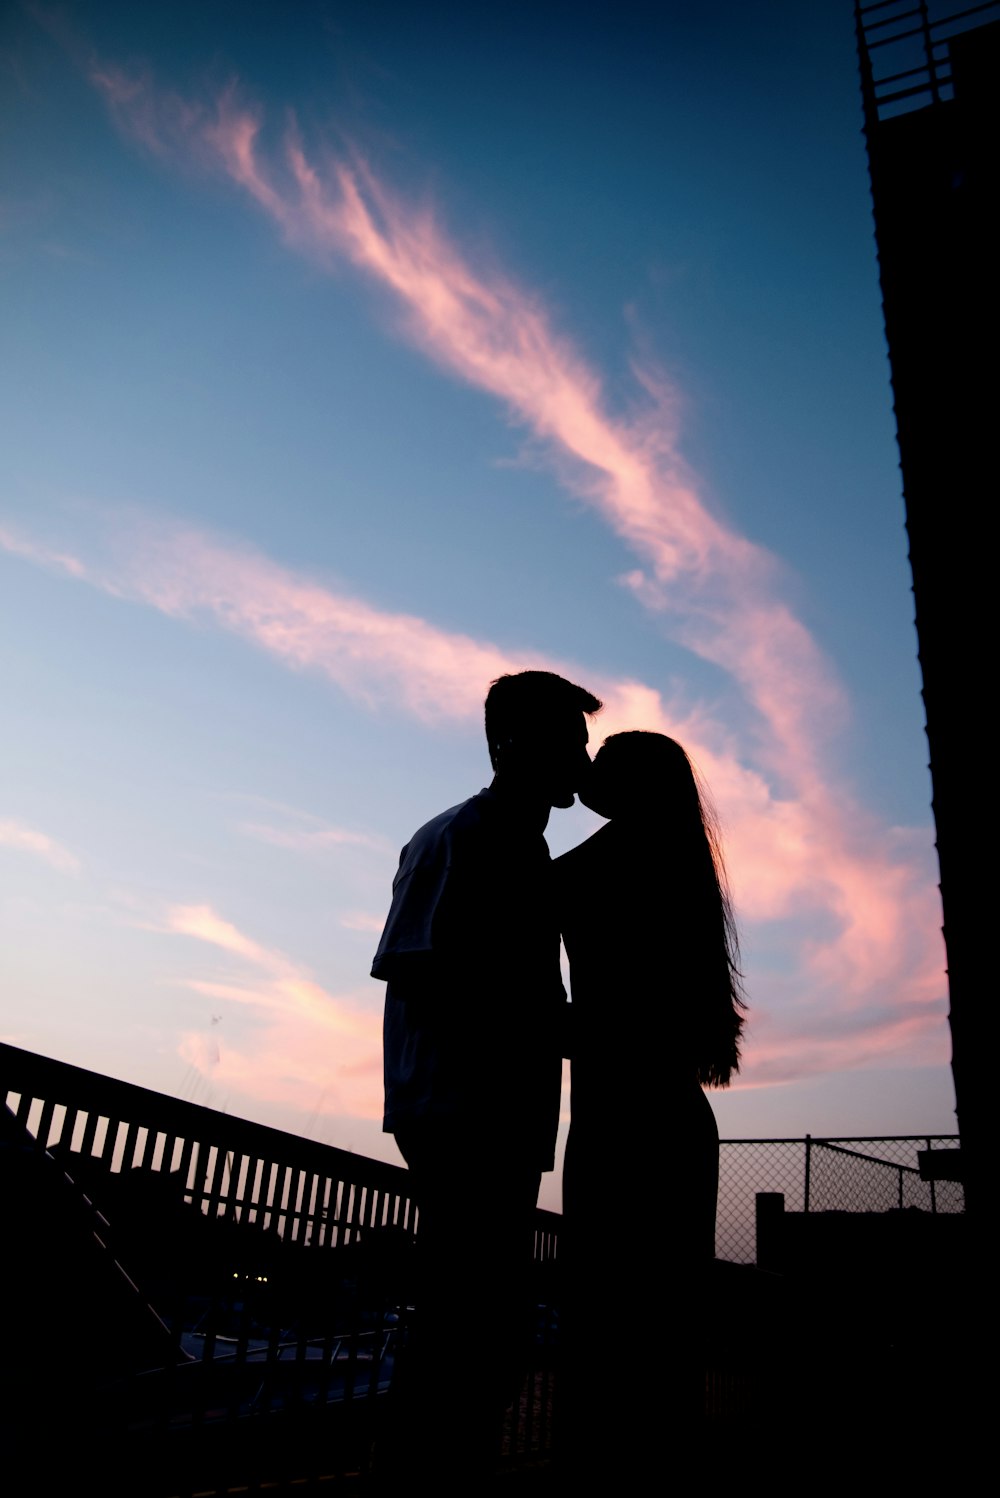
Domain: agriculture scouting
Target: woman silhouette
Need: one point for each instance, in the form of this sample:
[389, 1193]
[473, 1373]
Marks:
[657, 1014]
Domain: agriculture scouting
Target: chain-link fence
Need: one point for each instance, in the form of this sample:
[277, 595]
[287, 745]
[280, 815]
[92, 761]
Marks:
[823, 1175]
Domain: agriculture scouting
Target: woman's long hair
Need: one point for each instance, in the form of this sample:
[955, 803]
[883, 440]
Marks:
[650, 776]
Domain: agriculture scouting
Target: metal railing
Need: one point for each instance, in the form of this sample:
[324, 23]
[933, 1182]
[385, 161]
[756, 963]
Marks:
[905, 53]
[278, 1269]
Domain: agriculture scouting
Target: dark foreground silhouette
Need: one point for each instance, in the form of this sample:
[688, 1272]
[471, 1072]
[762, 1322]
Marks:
[859, 1353]
[474, 1037]
[657, 1014]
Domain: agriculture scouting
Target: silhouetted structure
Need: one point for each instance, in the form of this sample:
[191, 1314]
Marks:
[929, 82]
[196, 1301]
[261, 1282]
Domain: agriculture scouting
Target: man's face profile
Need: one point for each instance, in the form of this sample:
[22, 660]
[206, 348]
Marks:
[557, 755]
[536, 727]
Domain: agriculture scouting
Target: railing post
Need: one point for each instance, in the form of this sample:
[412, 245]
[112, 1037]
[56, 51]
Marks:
[925, 27]
[808, 1170]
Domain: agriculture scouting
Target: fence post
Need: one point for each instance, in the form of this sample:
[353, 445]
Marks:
[808, 1169]
[933, 1183]
[925, 27]
[769, 1212]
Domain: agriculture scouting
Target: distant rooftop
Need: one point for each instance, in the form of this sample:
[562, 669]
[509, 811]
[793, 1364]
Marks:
[905, 50]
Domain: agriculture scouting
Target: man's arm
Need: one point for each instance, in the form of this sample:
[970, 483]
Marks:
[419, 952]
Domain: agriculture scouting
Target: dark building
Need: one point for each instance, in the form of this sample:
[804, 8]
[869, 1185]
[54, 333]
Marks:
[931, 87]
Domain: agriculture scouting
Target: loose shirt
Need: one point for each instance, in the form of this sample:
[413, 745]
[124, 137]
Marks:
[475, 1002]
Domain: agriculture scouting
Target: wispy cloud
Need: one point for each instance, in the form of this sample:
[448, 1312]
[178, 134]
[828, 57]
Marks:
[302, 832]
[716, 585]
[800, 846]
[19, 545]
[369, 922]
[310, 839]
[25, 839]
[301, 1041]
[786, 1053]
[860, 894]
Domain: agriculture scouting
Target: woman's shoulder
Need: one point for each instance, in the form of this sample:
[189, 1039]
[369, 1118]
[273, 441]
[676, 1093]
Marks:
[609, 868]
[614, 843]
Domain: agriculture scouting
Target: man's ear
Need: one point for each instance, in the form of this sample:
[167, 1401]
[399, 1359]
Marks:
[500, 752]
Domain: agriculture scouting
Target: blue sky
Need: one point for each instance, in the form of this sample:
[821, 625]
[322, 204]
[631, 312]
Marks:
[355, 353]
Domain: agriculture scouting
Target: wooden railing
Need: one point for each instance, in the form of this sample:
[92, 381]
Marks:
[259, 1272]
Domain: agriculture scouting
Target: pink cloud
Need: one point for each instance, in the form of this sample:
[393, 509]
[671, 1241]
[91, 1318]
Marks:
[497, 336]
[165, 123]
[33, 551]
[370, 922]
[315, 839]
[303, 832]
[717, 586]
[921, 1039]
[295, 1040]
[25, 839]
[201, 921]
[861, 894]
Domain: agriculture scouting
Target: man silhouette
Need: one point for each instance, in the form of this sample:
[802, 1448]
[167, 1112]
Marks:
[473, 1044]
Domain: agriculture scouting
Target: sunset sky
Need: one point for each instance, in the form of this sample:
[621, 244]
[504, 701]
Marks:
[354, 353]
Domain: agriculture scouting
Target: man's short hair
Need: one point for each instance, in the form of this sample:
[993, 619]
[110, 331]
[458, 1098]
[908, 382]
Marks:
[528, 700]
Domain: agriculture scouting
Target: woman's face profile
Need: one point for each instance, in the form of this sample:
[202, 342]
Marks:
[632, 780]
[596, 790]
